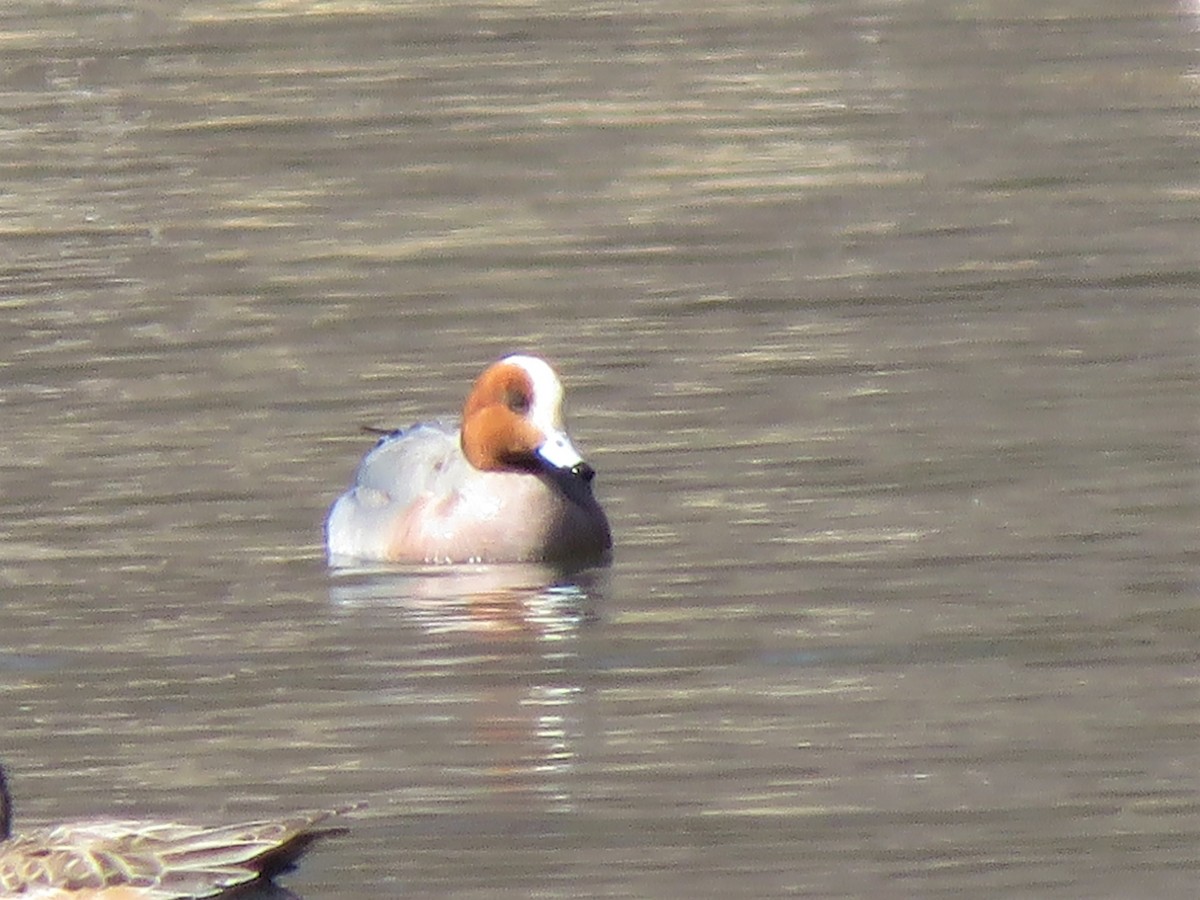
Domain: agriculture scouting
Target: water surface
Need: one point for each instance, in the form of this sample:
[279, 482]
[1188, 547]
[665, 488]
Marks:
[877, 320]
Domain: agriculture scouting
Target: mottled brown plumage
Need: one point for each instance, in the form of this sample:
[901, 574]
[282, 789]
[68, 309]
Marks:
[111, 859]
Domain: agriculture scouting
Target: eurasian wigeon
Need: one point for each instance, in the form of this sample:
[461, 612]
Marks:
[120, 859]
[506, 486]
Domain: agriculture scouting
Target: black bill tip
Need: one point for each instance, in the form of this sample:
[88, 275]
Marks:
[583, 471]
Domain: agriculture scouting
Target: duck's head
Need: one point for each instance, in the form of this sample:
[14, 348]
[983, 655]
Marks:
[512, 421]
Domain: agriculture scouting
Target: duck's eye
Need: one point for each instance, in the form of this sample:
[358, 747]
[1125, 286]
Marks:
[517, 401]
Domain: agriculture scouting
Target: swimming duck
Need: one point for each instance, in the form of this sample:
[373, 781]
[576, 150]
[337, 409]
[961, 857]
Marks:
[129, 859]
[507, 485]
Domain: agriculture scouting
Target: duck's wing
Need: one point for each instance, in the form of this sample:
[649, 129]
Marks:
[153, 860]
[405, 464]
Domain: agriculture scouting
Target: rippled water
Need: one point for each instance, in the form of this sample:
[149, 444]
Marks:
[878, 321]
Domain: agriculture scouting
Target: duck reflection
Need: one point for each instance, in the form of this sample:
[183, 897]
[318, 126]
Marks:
[537, 600]
[504, 645]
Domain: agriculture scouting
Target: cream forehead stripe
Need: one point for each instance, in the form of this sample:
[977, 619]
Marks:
[546, 409]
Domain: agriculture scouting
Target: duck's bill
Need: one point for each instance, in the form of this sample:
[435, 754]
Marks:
[559, 454]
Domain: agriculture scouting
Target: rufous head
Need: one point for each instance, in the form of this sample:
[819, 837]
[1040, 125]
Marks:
[512, 421]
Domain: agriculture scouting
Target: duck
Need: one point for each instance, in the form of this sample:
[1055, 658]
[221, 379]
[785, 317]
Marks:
[503, 484]
[143, 859]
